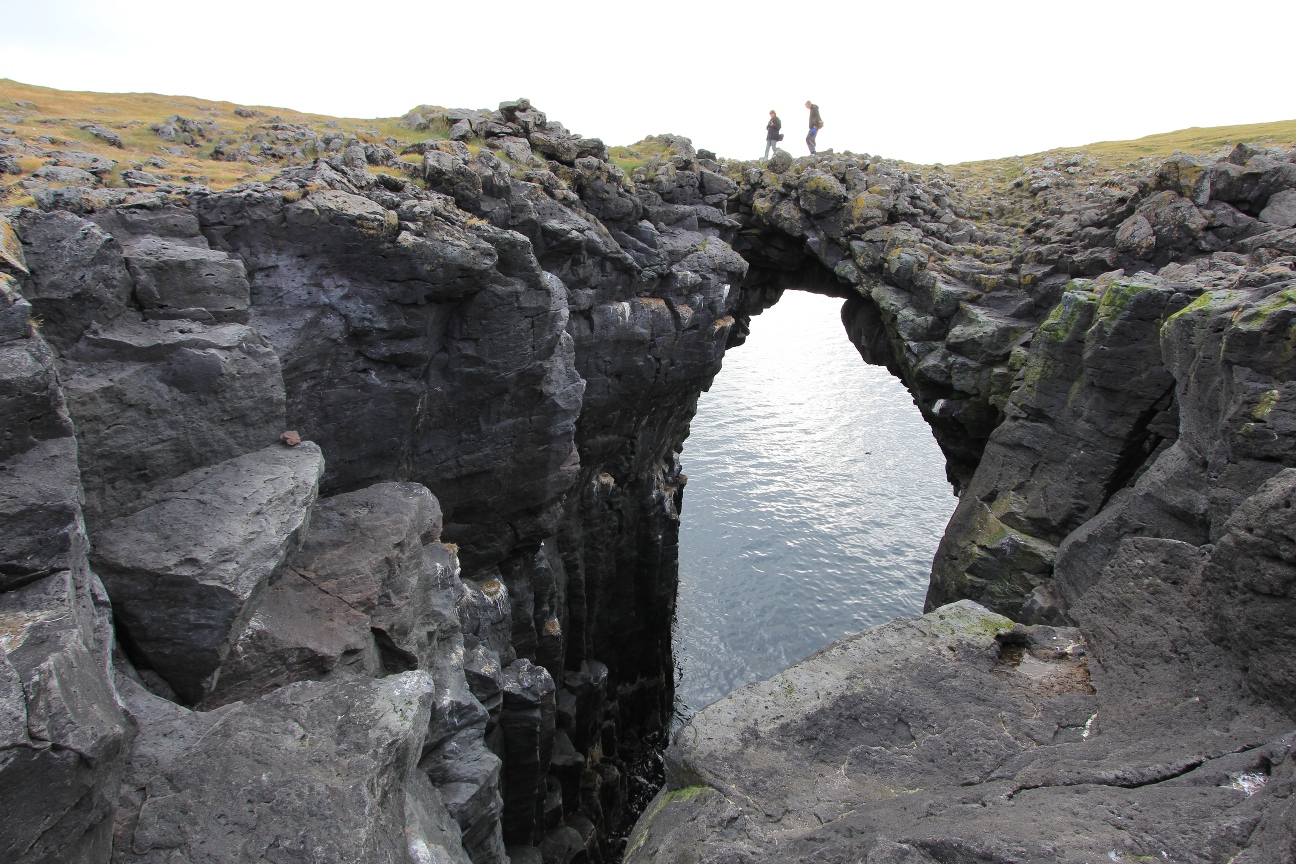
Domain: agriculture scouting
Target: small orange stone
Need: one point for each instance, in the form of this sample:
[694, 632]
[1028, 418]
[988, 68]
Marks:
[291, 438]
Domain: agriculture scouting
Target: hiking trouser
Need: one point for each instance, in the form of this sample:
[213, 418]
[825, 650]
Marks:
[771, 146]
[810, 139]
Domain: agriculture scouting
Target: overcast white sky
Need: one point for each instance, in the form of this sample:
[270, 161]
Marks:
[924, 80]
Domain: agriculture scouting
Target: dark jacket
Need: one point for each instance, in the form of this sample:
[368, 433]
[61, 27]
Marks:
[772, 129]
[816, 121]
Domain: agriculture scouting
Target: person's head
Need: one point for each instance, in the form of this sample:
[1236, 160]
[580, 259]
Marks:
[772, 114]
[809, 104]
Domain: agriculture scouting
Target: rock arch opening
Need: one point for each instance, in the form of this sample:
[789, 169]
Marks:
[779, 261]
[816, 497]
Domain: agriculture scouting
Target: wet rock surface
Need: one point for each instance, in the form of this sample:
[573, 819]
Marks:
[437, 611]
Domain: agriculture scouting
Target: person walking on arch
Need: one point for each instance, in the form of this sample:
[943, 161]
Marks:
[772, 134]
[816, 123]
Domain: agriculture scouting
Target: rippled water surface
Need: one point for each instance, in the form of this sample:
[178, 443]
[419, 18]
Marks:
[815, 500]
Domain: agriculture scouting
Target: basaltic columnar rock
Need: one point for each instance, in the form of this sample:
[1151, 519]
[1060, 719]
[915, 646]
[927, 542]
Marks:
[433, 625]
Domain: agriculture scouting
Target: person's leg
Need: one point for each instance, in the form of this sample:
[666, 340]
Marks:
[810, 140]
[769, 145]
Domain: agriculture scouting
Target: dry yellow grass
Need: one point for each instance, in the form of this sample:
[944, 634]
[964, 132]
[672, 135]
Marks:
[58, 116]
[1110, 155]
[1197, 139]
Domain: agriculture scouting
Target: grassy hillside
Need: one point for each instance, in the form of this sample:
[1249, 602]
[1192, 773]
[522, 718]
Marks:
[47, 119]
[44, 120]
[1109, 157]
[1197, 139]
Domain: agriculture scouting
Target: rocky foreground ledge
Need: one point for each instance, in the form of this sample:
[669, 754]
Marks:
[438, 628]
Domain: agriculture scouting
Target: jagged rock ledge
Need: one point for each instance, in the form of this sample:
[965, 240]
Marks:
[193, 611]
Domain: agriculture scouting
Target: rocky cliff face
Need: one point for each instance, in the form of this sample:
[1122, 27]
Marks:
[439, 627]
[1105, 360]
[524, 336]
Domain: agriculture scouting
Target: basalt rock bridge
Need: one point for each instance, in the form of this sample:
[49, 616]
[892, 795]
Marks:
[438, 628]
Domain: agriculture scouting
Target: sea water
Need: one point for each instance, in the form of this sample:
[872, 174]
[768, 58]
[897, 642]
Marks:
[816, 496]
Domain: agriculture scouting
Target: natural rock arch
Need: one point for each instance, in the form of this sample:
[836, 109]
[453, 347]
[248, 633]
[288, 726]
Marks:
[525, 332]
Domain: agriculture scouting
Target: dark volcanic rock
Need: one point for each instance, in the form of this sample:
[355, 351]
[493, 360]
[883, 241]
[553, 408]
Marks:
[961, 732]
[153, 400]
[314, 771]
[184, 568]
[1250, 583]
[63, 739]
[1074, 430]
[177, 280]
[1103, 434]
[297, 633]
[79, 275]
[528, 718]
[498, 366]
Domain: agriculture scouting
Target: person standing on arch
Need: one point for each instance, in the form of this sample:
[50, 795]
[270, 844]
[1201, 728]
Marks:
[816, 123]
[772, 134]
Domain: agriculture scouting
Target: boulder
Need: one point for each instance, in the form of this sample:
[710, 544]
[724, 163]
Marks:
[139, 179]
[154, 399]
[297, 633]
[343, 212]
[1136, 237]
[104, 134]
[984, 337]
[66, 175]
[1176, 222]
[450, 175]
[78, 274]
[316, 771]
[780, 162]
[366, 548]
[1281, 210]
[63, 738]
[820, 193]
[91, 162]
[185, 568]
[178, 280]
